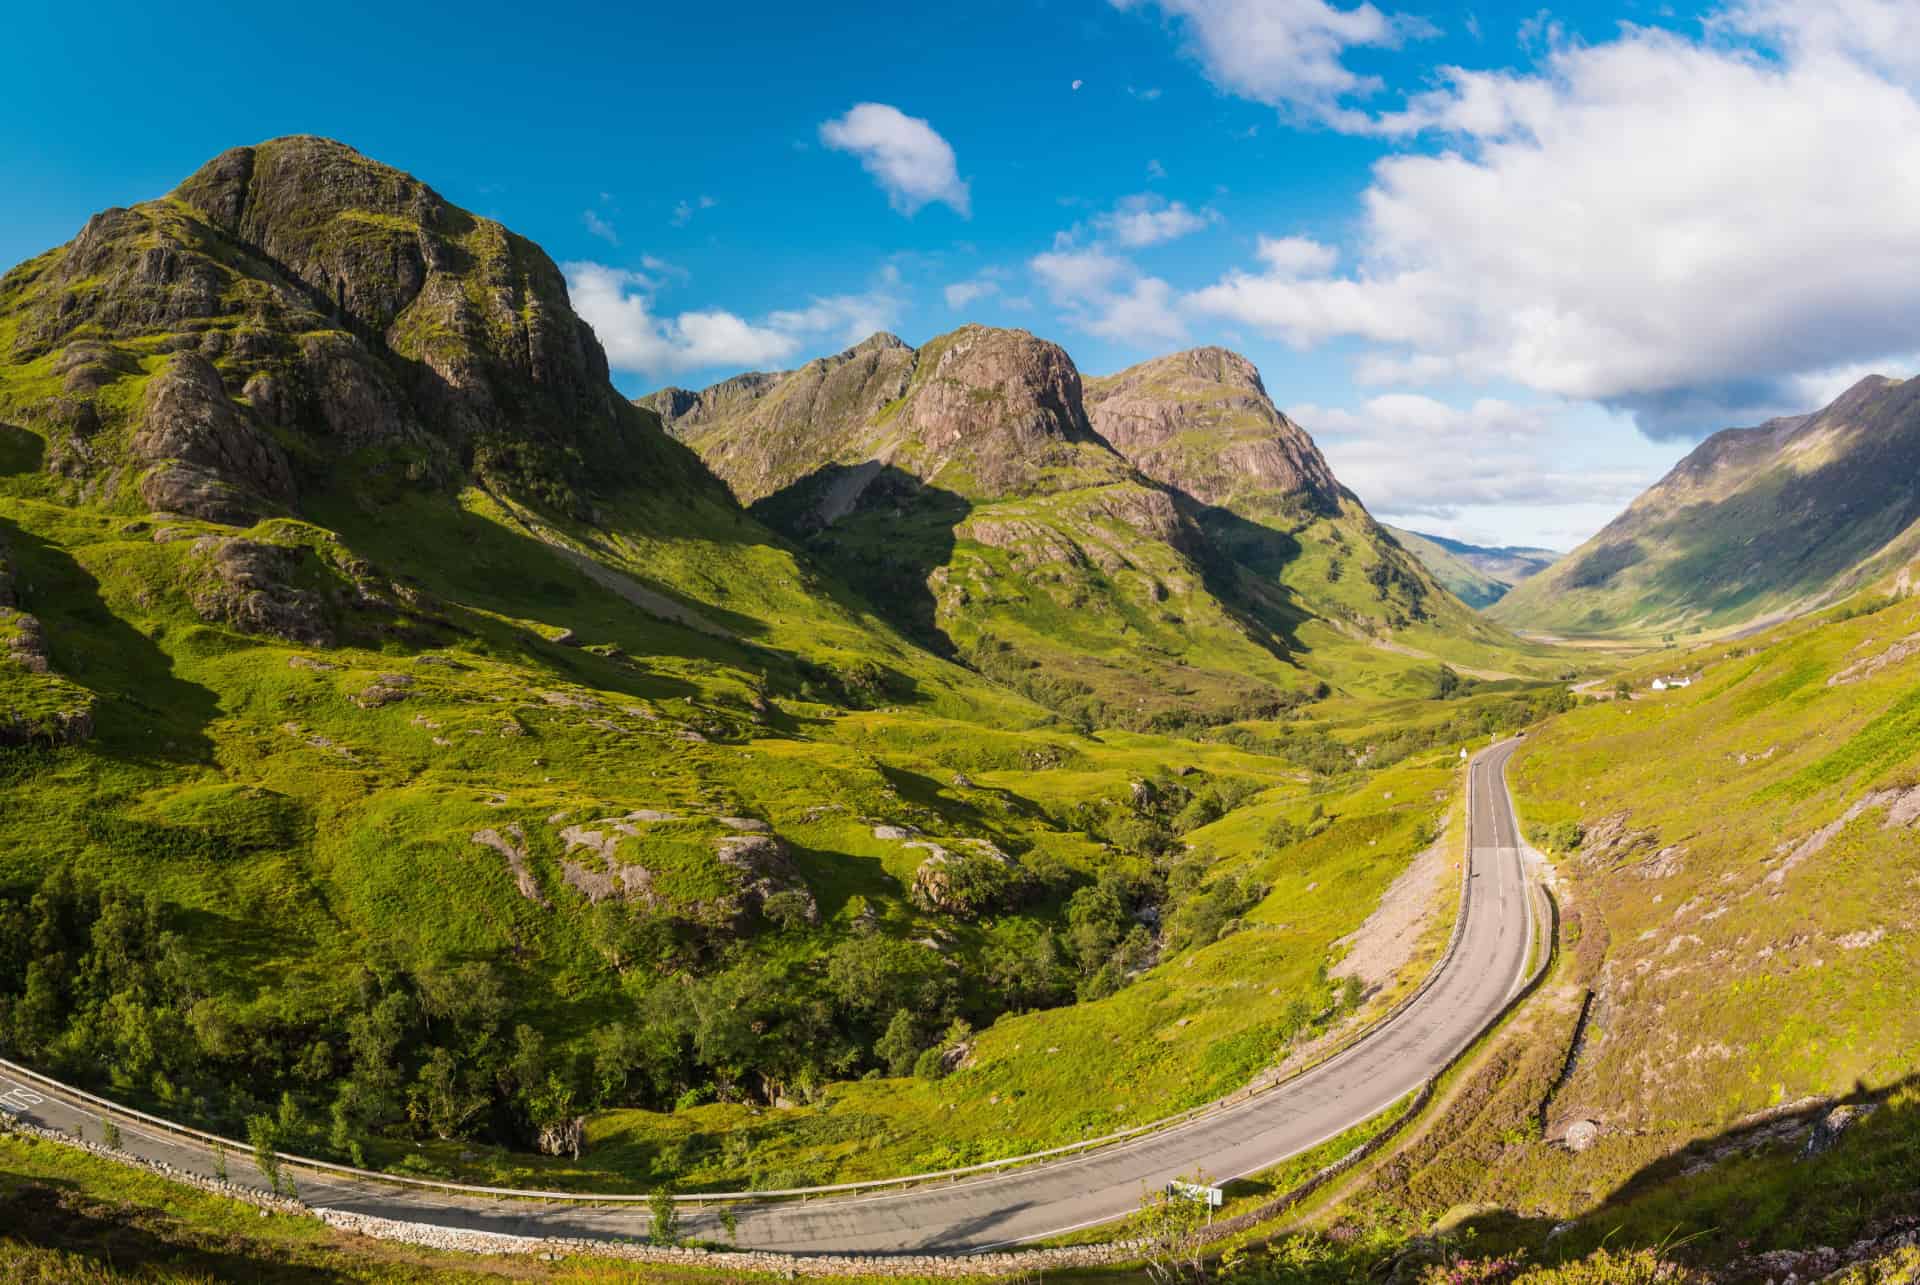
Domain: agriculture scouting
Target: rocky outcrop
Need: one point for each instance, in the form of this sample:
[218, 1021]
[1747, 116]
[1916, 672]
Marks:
[250, 587]
[1201, 421]
[961, 883]
[981, 412]
[765, 868]
[207, 460]
[318, 304]
[512, 844]
[1832, 1126]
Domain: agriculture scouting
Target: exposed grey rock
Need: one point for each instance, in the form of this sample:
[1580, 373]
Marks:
[512, 844]
[251, 589]
[209, 461]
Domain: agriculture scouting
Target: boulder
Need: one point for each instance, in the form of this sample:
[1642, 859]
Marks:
[1827, 1133]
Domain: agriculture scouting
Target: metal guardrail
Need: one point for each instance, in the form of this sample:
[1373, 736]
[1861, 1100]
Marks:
[803, 1193]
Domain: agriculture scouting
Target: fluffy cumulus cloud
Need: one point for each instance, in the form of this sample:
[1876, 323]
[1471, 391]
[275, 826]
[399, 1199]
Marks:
[1140, 221]
[912, 164]
[1410, 456]
[620, 306]
[1286, 53]
[963, 294]
[1106, 294]
[1692, 231]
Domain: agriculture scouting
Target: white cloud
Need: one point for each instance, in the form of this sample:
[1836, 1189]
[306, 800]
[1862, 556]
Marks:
[1144, 95]
[1286, 53]
[1144, 220]
[961, 294]
[1884, 34]
[1070, 275]
[1408, 455]
[1680, 229]
[1819, 388]
[905, 156]
[1156, 170]
[1105, 294]
[1295, 256]
[619, 305]
[1078, 83]
[845, 318]
[1143, 314]
[597, 226]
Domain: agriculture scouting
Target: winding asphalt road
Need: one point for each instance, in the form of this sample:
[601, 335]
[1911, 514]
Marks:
[997, 1210]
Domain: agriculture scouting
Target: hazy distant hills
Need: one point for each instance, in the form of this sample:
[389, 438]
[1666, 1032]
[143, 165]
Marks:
[1753, 524]
[1478, 575]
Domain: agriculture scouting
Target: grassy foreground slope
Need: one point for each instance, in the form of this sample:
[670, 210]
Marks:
[1740, 870]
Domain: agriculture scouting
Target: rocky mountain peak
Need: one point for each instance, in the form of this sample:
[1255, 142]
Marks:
[1201, 421]
[332, 304]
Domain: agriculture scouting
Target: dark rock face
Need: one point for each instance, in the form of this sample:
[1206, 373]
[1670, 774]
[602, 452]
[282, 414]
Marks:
[209, 460]
[765, 868]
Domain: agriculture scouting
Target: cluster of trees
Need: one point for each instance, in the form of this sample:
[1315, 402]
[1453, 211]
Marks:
[103, 985]
[100, 985]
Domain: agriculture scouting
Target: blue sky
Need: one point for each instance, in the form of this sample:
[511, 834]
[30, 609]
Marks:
[1506, 263]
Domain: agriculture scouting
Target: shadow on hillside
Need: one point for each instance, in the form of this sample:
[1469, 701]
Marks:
[20, 451]
[1746, 1189]
[55, 1214]
[835, 878]
[878, 527]
[1242, 564]
[145, 711]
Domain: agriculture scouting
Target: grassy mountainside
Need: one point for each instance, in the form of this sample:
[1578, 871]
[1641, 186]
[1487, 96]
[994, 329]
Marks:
[962, 484]
[1159, 548]
[1301, 549]
[1755, 524]
[1476, 575]
[407, 747]
[1739, 874]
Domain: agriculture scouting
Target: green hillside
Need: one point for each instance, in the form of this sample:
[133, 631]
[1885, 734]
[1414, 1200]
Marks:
[405, 743]
[1755, 525]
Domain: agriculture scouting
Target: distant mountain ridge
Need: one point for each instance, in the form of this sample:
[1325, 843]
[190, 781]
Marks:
[1754, 524]
[1478, 575]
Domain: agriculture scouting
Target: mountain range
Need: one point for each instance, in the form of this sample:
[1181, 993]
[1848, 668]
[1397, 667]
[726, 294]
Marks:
[1478, 575]
[456, 750]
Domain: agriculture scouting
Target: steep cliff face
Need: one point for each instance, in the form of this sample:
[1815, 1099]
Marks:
[1306, 554]
[294, 312]
[983, 413]
[963, 486]
[1201, 421]
[1754, 523]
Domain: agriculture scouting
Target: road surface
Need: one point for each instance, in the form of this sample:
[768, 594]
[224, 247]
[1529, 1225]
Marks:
[997, 1210]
